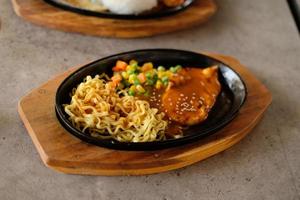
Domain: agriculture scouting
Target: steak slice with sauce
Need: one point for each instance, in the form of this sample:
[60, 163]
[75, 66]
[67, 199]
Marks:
[191, 95]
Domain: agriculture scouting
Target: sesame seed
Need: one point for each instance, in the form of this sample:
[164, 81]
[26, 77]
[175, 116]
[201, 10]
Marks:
[182, 95]
[185, 104]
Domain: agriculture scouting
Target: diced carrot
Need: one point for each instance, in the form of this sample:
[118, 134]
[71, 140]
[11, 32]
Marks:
[116, 79]
[112, 85]
[147, 66]
[120, 66]
[142, 77]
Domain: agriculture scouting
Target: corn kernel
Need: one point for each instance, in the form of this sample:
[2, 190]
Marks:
[168, 73]
[132, 78]
[160, 74]
[158, 84]
[125, 75]
[140, 89]
[131, 68]
[132, 88]
[133, 62]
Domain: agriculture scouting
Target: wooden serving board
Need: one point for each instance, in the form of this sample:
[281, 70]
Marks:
[41, 13]
[62, 151]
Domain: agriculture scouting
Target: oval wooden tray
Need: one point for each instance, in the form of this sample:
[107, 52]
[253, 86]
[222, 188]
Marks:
[41, 13]
[61, 151]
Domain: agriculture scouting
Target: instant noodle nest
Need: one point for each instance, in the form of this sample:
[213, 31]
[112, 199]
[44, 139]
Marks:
[97, 109]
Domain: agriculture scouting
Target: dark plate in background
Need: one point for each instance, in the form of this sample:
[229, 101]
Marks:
[230, 100]
[106, 14]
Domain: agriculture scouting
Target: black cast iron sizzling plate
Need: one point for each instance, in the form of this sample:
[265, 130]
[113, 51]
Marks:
[228, 103]
[106, 14]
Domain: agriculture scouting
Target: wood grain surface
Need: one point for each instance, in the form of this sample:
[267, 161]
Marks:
[62, 151]
[41, 13]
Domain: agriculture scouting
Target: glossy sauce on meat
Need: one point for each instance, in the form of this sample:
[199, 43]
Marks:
[188, 99]
[188, 102]
[174, 129]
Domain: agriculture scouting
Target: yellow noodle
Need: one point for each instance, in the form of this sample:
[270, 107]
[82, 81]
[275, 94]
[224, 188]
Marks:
[97, 109]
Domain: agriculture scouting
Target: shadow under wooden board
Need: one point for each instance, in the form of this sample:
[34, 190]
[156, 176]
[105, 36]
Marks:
[41, 13]
[63, 152]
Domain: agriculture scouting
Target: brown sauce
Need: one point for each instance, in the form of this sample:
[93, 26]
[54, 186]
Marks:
[174, 129]
[187, 100]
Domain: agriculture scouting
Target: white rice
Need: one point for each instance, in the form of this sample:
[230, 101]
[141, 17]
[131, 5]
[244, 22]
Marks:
[129, 6]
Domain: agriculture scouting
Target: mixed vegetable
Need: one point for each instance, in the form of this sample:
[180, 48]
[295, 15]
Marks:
[140, 79]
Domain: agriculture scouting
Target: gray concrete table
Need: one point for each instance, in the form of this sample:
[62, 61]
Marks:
[265, 165]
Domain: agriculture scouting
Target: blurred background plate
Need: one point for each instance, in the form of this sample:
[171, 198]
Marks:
[158, 12]
[42, 13]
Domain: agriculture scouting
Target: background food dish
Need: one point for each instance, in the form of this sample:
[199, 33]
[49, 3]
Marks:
[230, 100]
[42, 13]
[105, 14]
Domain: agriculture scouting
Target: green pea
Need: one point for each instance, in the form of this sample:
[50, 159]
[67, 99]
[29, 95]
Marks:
[134, 65]
[161, 68]
[131, 71]
[155, 78]
[136, 82]
[125, 83]
[173, 69]
[178, 67]
[147, 93]
[148, 75]
[132, 78]
[150, 82]
[165, 79]
[131, 92]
